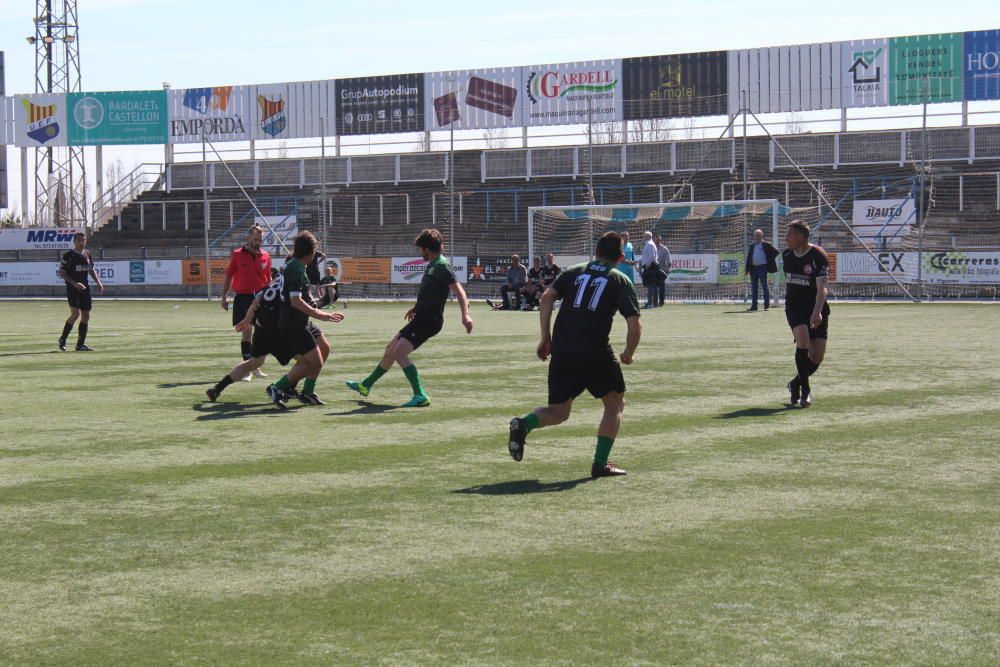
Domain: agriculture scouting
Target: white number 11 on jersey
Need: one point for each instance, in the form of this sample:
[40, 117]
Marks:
[581, 287]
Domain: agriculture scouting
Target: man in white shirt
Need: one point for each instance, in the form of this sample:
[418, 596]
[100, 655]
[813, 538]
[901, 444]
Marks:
[649, 269]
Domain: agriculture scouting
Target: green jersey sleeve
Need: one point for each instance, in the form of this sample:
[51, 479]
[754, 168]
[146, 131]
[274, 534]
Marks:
[628, 302]
[296, 280]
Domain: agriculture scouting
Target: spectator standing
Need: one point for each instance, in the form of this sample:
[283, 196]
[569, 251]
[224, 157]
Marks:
[664, 262]
[761, 260]
[649, 269]
[627, 265]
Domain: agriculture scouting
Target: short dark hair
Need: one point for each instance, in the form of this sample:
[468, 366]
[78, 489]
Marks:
[305, 244]
[609, 247]
[800, 227]
[79, 235]
[430, 239]
[255, 228]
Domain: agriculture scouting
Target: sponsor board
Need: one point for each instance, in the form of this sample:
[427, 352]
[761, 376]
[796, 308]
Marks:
[784, 78]
[221, 113]
[372, 270]
[961, 268]
[981, 65]
[570, 93]
[148, 272]
[123, 118]
[861, 267]
[472, 99]
[47, 238]
[40, 120]
[410, 270]
[193, 271]
[693, 269]
[883, 218]
[731, 267]
[380, 104]
[278, 230]
[293, 110]
[673, 86]
[864, 73]
[926, 68]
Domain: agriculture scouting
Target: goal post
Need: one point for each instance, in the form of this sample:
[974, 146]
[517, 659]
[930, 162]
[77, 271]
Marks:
[707, 240]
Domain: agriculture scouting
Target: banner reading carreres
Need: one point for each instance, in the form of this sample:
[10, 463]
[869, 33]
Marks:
[982, 65]
[926, 67]
[104, 119]
[570, 93]
[410, 270]
[688, 84]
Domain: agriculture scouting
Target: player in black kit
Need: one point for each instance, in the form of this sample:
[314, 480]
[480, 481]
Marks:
[806, 268]
[76, 267]
[582, 358]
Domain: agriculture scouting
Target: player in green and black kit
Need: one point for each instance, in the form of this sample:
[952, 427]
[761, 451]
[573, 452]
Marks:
[75, 268]
[582, 357]
[425, 319]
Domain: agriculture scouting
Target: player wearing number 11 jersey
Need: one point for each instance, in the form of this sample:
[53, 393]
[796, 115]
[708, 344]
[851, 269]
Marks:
[582, 358]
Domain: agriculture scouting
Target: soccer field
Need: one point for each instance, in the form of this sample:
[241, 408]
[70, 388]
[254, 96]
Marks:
[143, 525]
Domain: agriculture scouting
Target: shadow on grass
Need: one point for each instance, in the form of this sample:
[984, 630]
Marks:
[175, 385]
[755, 412]
[29, 354]
[212, 411]
[365, 408]
[524, 486]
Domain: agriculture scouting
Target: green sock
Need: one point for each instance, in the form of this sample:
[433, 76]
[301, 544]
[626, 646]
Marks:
[414, 377]
[375, 375]
[531, 422]
[604, 445]
[309, 386]
[283, 384]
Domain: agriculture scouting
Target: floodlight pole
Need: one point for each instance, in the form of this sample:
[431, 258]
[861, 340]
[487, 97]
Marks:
[204, 213]
[451, 175]
[322, 175]
[746, 240]
[923, 208]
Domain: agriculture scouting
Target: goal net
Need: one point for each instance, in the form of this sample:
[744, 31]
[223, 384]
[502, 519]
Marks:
[707, 240]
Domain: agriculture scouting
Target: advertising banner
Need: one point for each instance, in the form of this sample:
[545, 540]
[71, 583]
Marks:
[40, 120]
[278, 230]
[981, 65]
[4, 137]
[803, 77]
[860, 267]
[221, 112]
[372, 270]
[410, 270]
[155, 272]
[674, 86]
[864, 73]
[30, 273]
[731, 266]
[380, 104]
[293, 110]
[193, 271]
[561, 94]
[694, 269]
[473, 99]
[47, 238]
[961, 268]
[489, 269]
[149, 272]
[883, 218]
[124, 118]
[926, 66]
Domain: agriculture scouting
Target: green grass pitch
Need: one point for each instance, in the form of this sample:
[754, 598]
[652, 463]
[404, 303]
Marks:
[141, 525]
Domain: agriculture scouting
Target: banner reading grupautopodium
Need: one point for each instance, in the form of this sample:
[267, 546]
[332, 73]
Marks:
[380, 104]
[570, 93]
[121, 118]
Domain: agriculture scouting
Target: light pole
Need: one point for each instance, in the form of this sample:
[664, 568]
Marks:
[452, 89]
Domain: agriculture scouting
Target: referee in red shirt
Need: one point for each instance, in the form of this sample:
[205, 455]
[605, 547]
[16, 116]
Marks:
[249, 272]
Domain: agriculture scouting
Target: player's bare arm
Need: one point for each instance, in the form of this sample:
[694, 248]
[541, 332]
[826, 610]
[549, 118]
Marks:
[97, 279]
[224, 301]
[545, 305]
[463, 304]
[631, 340]
[299, 304]
[817, 314]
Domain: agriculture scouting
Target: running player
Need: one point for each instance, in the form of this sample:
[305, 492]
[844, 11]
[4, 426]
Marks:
[806, 267]
[294, 326]
[76, 267]
[249, 271]
[582, 357]
[425, 319]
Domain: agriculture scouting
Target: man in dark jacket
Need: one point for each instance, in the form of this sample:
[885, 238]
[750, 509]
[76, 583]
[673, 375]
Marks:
[761, 260]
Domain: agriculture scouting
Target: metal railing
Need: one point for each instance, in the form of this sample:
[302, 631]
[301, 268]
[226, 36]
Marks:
[146, 176]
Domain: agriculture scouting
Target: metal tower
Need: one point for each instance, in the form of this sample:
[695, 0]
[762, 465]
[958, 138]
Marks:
[60, 173]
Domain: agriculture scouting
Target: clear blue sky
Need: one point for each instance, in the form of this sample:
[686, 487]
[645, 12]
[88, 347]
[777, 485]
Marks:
[139, 44]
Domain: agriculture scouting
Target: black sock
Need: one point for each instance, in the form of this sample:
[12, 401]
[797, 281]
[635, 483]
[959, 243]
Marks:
[223, 383]
[67, 330]
[813, 367]
[802, 365]
[247, 348]
[82, 336]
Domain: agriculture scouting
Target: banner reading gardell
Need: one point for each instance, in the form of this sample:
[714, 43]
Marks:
[380, 104]
[686, 84]
[572, 93]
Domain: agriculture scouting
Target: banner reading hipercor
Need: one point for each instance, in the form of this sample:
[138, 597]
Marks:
[38, 239]
[410, 270]
[117, 118]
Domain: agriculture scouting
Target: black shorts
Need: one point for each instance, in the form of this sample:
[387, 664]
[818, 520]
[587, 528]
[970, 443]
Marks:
[572, 370]
[77, 299]
[267, 340]
[421, 329]
[800, 316]
[301, 340]
[240, 306]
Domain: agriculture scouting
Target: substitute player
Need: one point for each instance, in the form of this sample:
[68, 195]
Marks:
[806, 268]
[249, 272]
[582, 357]
[76, 267]
[425, 319]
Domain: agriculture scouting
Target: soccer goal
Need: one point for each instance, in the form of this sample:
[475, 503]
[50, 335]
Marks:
[708, 240]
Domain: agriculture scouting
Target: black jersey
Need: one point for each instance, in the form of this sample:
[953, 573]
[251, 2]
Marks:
[549, 274]
[591, 295]
[77, 265]
[534, 276]
[269, 310]
[801, 273]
